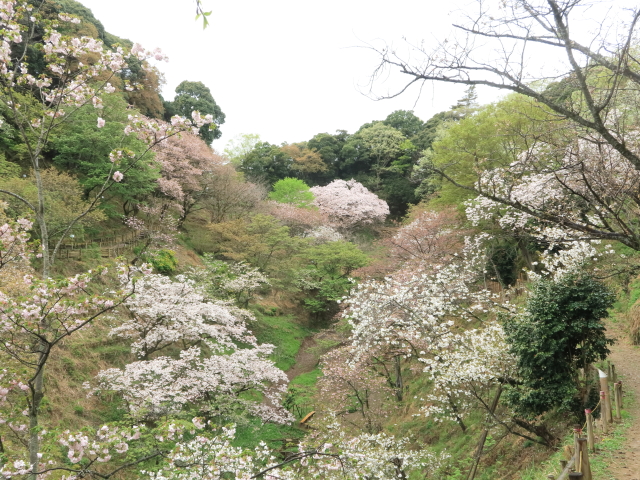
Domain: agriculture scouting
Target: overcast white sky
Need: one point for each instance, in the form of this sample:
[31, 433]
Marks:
[289, 69]
[284, 69]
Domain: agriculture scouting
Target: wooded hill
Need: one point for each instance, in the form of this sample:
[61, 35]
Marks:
[392, 303]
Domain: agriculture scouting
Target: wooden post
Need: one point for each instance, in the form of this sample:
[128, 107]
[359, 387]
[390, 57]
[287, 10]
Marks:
[603, 413]
[617, 396]
[585, 465]
[621, 396]
[590, 435]
[576, 447]
[614, 375]
[606, 405]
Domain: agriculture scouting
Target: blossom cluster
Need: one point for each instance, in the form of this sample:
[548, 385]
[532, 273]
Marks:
[477, 360]
[348, 204]
[167, 312]
[585, 187]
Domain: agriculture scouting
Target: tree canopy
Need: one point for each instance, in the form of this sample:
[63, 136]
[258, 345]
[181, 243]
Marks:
[192, 96]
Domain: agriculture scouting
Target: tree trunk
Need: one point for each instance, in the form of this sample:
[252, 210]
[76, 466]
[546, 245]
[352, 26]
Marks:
[399, 386]
[483, 437]
[37, 394]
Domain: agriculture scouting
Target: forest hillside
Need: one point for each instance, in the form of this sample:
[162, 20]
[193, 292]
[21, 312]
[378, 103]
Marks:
[444, 298]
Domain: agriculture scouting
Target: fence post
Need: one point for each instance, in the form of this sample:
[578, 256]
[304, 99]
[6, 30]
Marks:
[590, 436]
[621, 396]
[616, 393]
[603, 413]
[606, 405]
[585, 465]
[576, 447]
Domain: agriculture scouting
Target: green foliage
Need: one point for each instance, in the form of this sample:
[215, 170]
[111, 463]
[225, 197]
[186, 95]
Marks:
[84, 149]
[405, 121]
[300, 396]
[192, 96]
[164, 261]
[266, 163]
[491, 138]
[561, 332]
[292, 190]
[260, 241]
[326, 279]
[8, 169]
[63, 201]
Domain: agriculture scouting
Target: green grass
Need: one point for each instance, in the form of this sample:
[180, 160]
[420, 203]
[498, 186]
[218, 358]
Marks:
[282, 331]
[301, 396]
[279, 438]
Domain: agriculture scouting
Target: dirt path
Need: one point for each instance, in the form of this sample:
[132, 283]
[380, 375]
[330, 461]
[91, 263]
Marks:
[626, 358]
[306, 358]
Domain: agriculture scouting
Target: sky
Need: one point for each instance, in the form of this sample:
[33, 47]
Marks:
[286, 69]
[289, 69]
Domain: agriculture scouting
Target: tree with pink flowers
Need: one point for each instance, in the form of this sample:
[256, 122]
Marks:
[348, 204]
[186, 162]
[65, 86]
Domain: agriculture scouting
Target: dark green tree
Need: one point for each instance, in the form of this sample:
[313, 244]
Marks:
[192, 96]
[266, 163]
[326, 279]
[405, 121]
[560, 335]
[83, 149]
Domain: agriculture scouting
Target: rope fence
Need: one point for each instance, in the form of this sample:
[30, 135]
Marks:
[579, 465]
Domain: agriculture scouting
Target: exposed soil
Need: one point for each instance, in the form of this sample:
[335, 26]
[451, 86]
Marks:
[311, 350]
[306, 359]
[626, 358]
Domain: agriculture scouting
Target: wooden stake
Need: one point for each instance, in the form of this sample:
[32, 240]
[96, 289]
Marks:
[585, 466]
[618, 397]
[607, 413]
[603, 412]
[591, 438]
[576, 447]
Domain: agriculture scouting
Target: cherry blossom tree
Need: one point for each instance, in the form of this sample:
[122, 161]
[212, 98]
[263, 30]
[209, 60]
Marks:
[34, 323]
[330, 453]
[79, 71]
[349, 204]
[185, 161]
[354, 391]
[431, 238]
[211, 371]
[583, 189]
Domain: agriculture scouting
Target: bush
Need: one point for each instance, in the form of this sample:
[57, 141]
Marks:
[164, 261]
